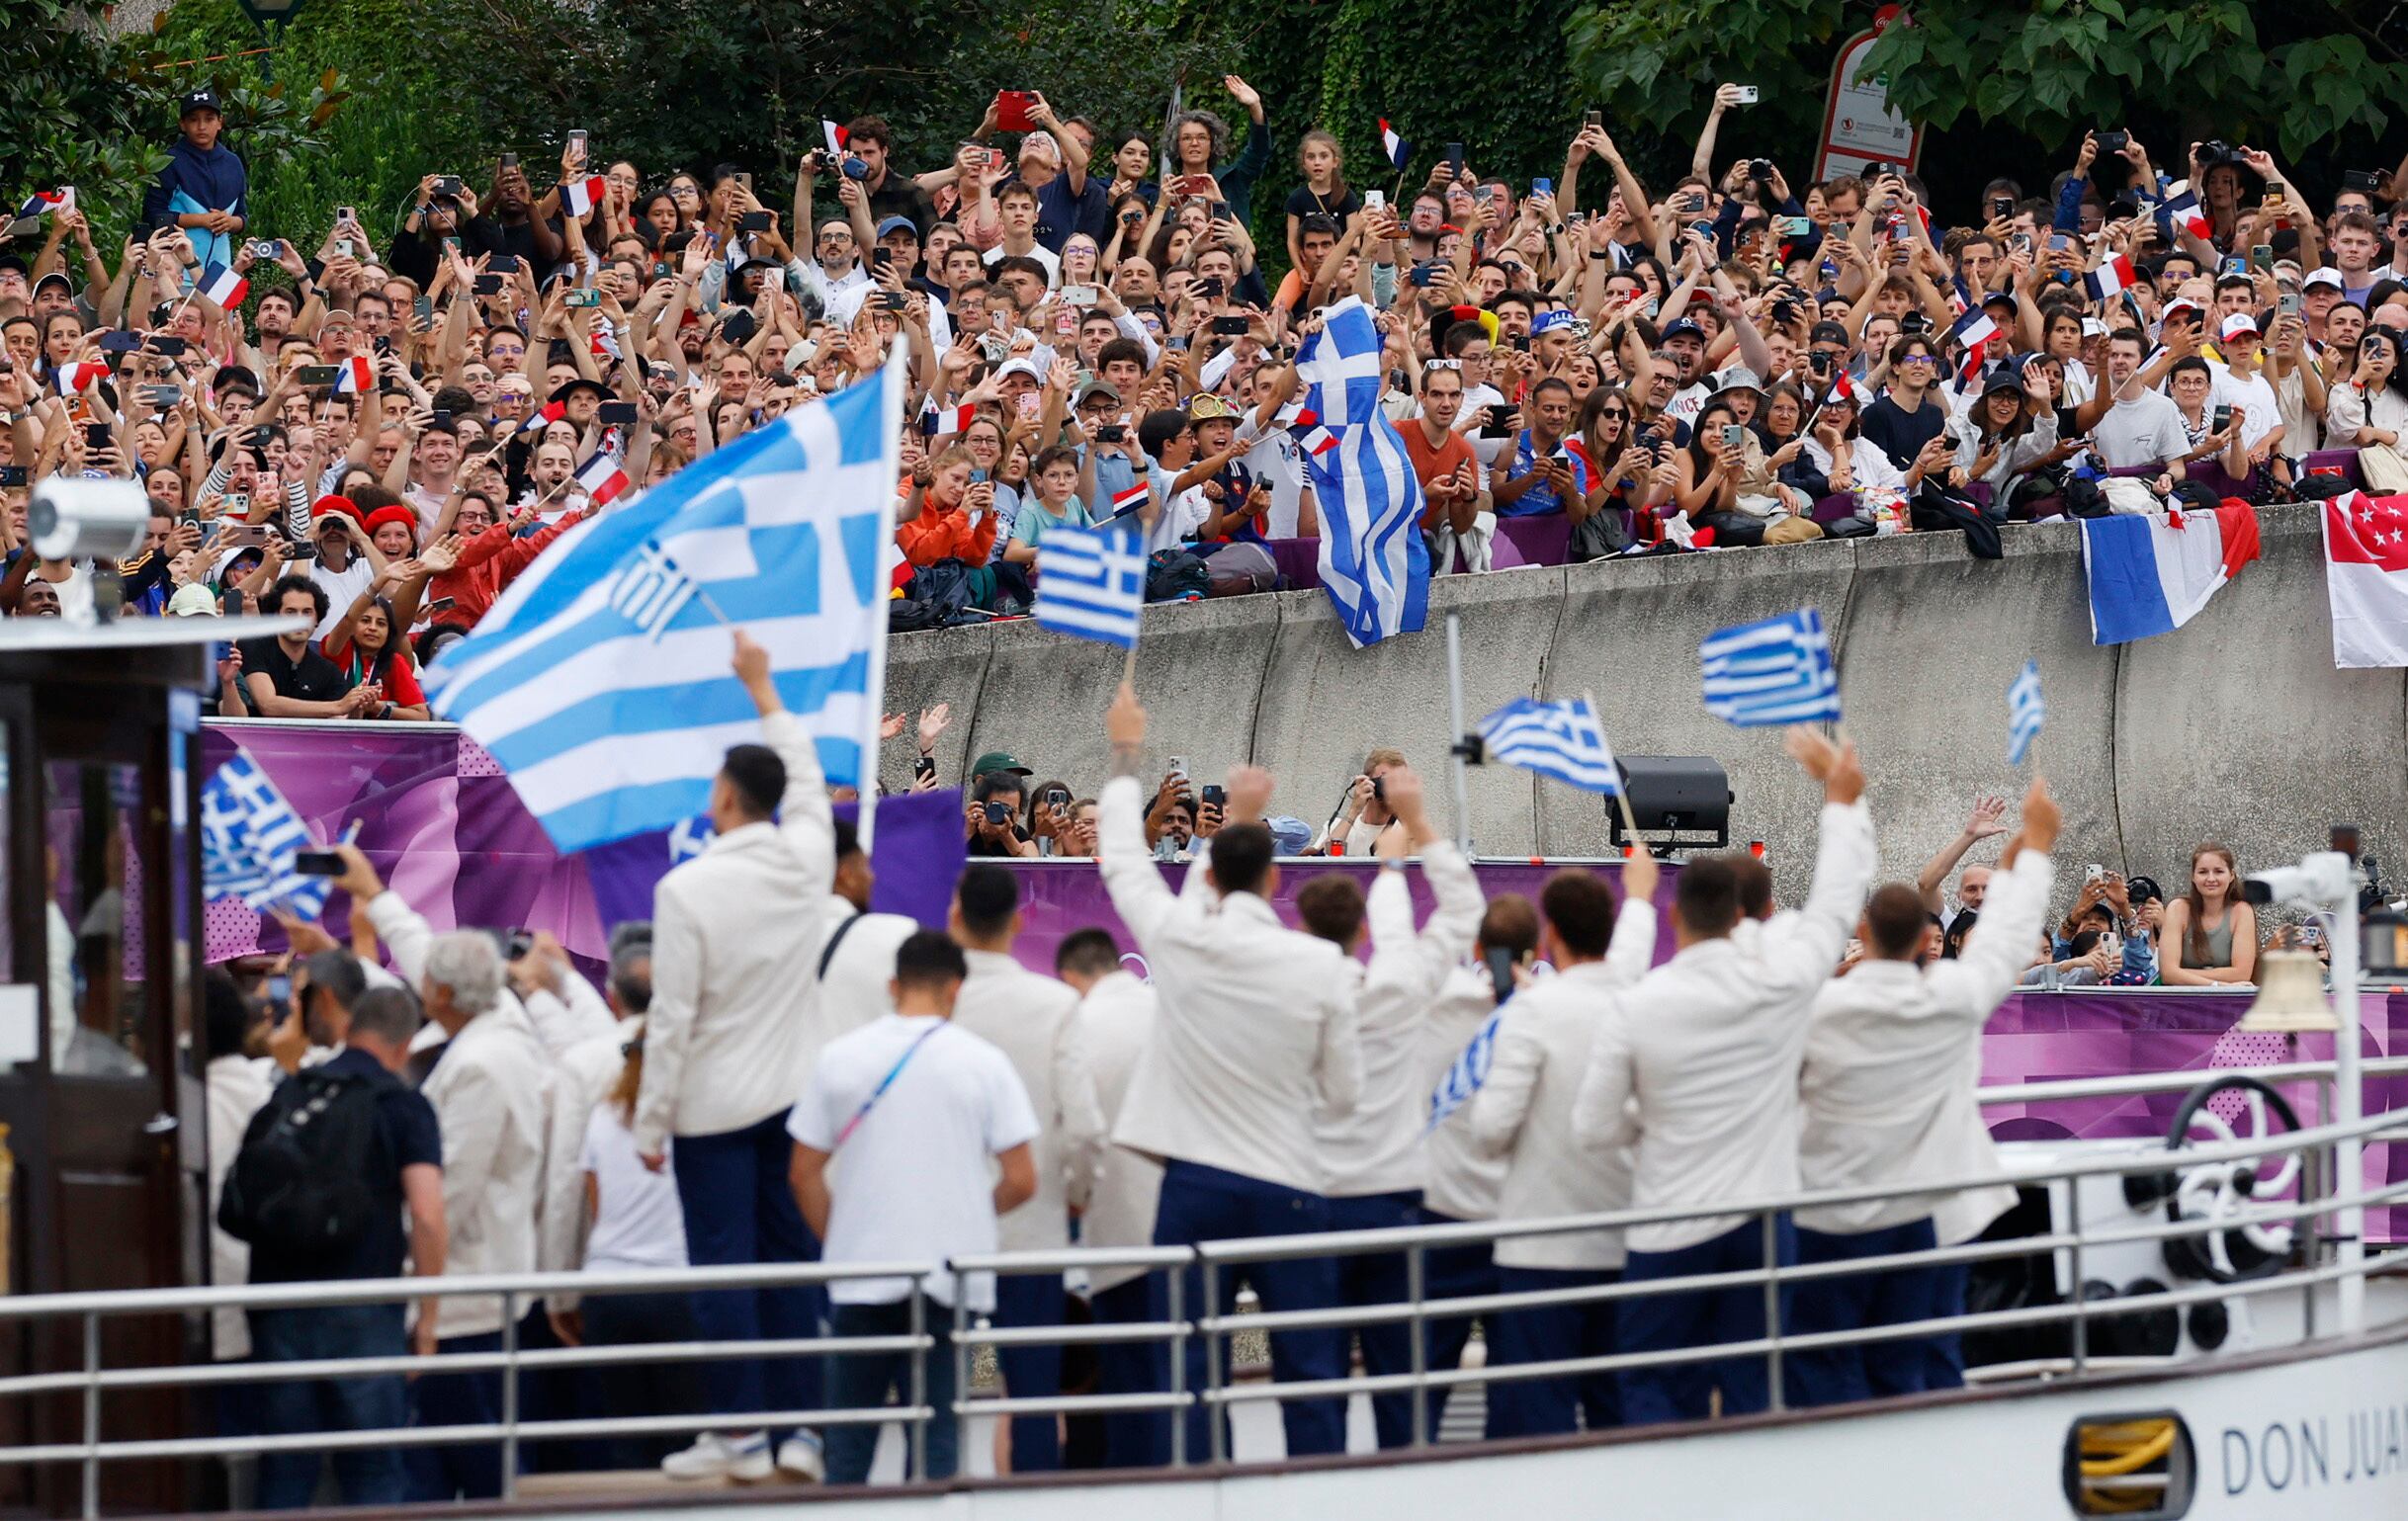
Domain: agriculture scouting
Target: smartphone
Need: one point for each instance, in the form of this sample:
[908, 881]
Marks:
[1208, 290]
[1501, 972]
[1078, 296]
[616, 413]
[2093, 872]
[1029, 404]
[1067, 323]
[1542, 187]
[757, 221]
[520, 943]
[893, 301]
[1011, 109]
[2113, 143]
[739, 326]
[98, 435]
[576, 145]
[265, 248]
[342, 248]
[1454, 158]
[1422, 275]
[1229, 327]
[2290, 304]
[12, 475]
[2364, 181]
[234, 504]
[1593, 119]
[347, 215]
[448, 185]
[1733, 435]
[2000, 207]
[1495, 425]
[2220, 419]
[1178, 767]
[1746, 94]
[1375, 200]
[1793, 226]
[509, 160]
[584, 296]
[163, 396]
[486, 284]
[317, 863]
[1216, 795]
[1220, 211]
[503, 264]
[2262, 256]
[316, 375]
[231, 603]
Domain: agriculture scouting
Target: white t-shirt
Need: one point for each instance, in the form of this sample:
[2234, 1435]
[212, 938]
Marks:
[2147, 430]
[1276, 460]
[1182, 515]
[1036, 251]
[914, 1182]
[2261, 408]
[341, 586]
[638, 1220]
[1687, 402]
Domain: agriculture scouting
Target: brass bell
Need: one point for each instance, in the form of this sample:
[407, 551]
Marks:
[2290, 996]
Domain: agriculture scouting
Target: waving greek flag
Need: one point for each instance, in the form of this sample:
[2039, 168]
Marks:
[1092, 584]
[1778, 671]
[1373, 562]
[250, 842]
[1562, 740]
[2026, 712]
[600, 678]
[1462, 1080]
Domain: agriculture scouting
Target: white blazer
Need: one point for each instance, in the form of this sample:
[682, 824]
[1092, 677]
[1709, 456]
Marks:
[1525, 1110]
[1115, 1023]
[853, 992]
[1893, 1060]
[1377, 1148]
[1460, 1181]
[1708, 1045]
[1033, 1020]
[735, 943]
[1256, 1028]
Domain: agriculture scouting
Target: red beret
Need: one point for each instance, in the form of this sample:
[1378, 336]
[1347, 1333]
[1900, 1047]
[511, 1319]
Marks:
[342, 504]
[394, 514]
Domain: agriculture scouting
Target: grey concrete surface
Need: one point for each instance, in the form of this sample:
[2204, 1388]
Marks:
[2236, 728]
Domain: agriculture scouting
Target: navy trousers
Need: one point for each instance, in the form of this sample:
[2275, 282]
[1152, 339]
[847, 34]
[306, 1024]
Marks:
[1134, 1438]
[1699, 1318]
[739, 1208]
[1450, 1273]
[1876, 1369]
[472, 1470]
[864, 1381]
[365, 1476]
[1031, 1372]
[1523, 1407]
[1206, 1204]
[1381, 1279]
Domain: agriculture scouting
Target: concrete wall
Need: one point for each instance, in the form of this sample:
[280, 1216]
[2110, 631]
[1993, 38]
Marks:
[2236, 728]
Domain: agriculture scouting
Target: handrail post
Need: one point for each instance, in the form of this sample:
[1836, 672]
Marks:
[919, 1373]
[509, 1331]
[1773, 1309]
[1214, 1438]
[1416, 1274]
[2082, 1304]
[1179, 1365]
[961, 1370]
[92, 1412]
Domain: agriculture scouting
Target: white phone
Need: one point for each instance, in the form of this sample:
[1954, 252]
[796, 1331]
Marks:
[1375, 200]
[1078, 296]
[1747, 95]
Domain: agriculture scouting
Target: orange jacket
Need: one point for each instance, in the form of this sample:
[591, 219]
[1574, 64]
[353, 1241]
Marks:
[945, 533]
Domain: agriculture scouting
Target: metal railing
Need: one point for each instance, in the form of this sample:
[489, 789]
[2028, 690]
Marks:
[1181, 1322]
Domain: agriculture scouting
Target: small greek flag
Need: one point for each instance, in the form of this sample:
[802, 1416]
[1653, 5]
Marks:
[2026, 712]
[651, 592]
[1469, 1071]
[1092, 584]
[1778, 671]
[1562, 740]
[250, 839]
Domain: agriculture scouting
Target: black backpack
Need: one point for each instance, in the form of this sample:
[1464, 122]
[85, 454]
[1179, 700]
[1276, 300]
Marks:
[306, 1182]
[1175, 575]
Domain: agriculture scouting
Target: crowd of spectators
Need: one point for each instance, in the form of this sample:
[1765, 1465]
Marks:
[411, 403]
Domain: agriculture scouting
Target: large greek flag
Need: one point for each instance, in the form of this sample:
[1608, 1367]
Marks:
[600, 678]
[251, 842]
[1373, 562]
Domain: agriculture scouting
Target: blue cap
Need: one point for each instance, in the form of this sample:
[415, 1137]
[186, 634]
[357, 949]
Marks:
[1682, 325]
[1549, 321]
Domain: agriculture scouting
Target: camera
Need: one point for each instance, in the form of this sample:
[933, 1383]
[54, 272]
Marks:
[77, 519]
[999, 812]
[2213, 153]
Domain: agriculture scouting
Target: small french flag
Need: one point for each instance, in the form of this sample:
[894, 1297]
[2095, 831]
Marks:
[582, 196]
[837, 137]
[1310, 435]
[45, 202]
[1974, 331]
[602, 478]
[1841, 389]
[1128, 501]
[553, 411]
[1396, 147]
[78, 377]
[354, 377]
[944, 422]
[222, 286]
[2182, 208]
[2111, 276]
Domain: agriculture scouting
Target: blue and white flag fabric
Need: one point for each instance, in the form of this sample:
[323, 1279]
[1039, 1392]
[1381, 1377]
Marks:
[1092, 584]
[2026, 711]
[251, 841]
[1562, 740]
[1462, 1080]
[1775, 672]
[600, 680]
[1373, 562]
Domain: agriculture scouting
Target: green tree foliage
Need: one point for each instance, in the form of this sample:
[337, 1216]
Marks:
[1653, 65]
[80, 110]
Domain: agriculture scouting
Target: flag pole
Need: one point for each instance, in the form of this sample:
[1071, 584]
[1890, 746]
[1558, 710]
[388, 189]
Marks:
[1462, 742]
[1621, 793]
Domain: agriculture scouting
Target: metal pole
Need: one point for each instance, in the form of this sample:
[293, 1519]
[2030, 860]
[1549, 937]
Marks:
[1416, 1275]
[1456, 732]
[1179, 1366]
[509, 1331]
[2349, 1172]
[961, 1370]
[2082, 1304]
[1772, 1307]
[920, 1374]
[92, 1415]
[1216, 1440]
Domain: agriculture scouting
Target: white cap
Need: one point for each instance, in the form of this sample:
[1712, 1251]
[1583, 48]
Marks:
[2237, 324]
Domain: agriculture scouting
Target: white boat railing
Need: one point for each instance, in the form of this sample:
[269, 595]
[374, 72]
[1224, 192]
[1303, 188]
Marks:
[2315, 1264]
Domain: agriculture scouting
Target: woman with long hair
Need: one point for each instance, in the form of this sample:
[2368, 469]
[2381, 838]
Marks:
[2368, 411]
[370, 649]
[2213, 933]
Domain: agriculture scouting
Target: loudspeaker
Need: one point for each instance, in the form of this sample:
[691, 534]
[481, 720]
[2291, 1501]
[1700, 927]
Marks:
[1676, 800]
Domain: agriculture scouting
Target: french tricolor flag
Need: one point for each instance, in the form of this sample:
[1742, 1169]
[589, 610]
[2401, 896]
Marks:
[2151, 574]
[602, 478]
[1128, 501]
[1974, 331]
[944, 422]
[2182, 208]
[552, 412]
[354, 377]
[837, 137]
[1841, 389]
[45, 202]
[1311, 436]
[582, 196]
[80, 376]
[222, 286]
[2110, 276]
[1396, 147]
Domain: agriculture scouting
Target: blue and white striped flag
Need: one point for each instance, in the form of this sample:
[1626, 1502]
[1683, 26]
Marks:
[1470, 1069]
[2026, 711]
[1092, 584]
[600, 679]
[1778, 671]
[1373, 562]
[250, 842]
[1562, 740]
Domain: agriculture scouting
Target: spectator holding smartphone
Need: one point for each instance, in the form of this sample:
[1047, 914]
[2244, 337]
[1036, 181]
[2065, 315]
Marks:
[204, 189]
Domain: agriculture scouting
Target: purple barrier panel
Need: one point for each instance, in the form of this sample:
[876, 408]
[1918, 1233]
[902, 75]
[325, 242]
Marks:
[2341, 459]
[1542, 540]
[2210, 474]
[1831, 509]
[1299, 561]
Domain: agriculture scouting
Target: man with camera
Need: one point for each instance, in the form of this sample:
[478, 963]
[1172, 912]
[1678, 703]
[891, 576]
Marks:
[992, 816]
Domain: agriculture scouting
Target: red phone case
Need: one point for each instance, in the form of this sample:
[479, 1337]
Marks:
[1011, 111]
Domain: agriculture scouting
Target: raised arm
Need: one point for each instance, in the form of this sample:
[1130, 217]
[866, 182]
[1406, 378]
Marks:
[806, 816]
[1983, 824]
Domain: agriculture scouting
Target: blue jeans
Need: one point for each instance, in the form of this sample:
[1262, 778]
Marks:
[1523, 1407]
[1450, 1273]
[1700, 1317]
[1031, 1372]
[739, 1208]
[1874, 1369]
[1206, 1204]
[367, 1476]
[1133, 1438]
[862, 1381]
[643, 1389]
[471, 1470]
[1380, 1279]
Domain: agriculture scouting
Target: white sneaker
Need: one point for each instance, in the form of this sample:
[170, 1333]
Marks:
[743, 1459]
[800, 1455]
